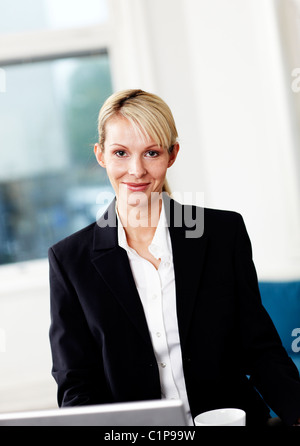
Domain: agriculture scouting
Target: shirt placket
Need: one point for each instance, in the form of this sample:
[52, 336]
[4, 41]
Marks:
[158, 332]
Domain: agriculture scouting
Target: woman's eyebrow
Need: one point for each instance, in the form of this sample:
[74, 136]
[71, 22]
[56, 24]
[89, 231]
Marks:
[117, 144]
[125, 147]
[153, 145]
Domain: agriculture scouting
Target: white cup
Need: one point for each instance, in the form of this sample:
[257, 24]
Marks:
[221, 417]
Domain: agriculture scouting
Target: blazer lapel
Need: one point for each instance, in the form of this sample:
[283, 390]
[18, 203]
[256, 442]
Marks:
[188, 258]
[111, 262]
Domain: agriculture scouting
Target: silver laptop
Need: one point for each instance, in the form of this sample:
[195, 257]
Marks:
[140, 413]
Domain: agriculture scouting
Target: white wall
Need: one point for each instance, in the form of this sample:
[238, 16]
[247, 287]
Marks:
[248, 150]
[25, 360]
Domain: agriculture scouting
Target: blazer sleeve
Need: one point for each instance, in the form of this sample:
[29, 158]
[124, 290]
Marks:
[271, 370]
[77, 366]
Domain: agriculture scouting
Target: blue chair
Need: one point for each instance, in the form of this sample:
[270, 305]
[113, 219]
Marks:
[282, 302]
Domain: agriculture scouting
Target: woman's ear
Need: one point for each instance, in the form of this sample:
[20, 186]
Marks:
[99, 154]
[173, 154]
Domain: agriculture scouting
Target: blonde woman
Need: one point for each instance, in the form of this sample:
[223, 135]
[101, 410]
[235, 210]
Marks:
[144, 305]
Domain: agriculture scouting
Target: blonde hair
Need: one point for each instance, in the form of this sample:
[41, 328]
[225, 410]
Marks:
[148, 113]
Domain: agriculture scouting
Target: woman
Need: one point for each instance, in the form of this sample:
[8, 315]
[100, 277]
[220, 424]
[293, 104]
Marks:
[141, 309]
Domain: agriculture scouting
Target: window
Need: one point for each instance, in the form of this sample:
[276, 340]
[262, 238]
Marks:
[49, 178]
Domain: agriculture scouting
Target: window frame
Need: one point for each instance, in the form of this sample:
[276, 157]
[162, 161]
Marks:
[44, 45]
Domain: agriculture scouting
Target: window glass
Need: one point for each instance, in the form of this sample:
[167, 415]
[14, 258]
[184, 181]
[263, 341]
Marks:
[32, 15]
[49, 178]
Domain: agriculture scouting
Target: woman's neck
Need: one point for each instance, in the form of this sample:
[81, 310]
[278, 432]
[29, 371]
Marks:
[140, 222]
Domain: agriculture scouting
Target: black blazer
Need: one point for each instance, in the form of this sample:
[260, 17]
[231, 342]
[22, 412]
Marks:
[100, 342]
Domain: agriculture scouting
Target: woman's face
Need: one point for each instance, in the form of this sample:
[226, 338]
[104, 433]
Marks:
[133, 163]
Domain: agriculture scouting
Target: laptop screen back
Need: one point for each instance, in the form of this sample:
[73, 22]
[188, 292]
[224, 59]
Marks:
[141, 413]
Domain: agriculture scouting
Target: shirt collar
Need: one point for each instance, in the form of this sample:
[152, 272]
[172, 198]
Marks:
[160, 246]
[122, 241]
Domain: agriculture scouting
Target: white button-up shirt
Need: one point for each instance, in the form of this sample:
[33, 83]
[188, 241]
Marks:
[156, 288]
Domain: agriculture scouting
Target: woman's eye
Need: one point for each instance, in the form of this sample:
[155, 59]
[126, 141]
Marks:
[120, 153]
[152, 154]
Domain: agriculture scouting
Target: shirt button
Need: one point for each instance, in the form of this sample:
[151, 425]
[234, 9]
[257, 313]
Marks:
[163, 364]
[154, 296]
[158, 334]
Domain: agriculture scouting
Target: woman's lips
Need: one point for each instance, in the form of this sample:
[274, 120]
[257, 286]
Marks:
[137, 187]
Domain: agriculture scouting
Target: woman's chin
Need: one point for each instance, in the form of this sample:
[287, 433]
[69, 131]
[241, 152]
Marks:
[139, 199]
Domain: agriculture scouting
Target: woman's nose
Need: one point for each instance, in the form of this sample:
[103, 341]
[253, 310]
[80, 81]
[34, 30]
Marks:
[137, 167]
